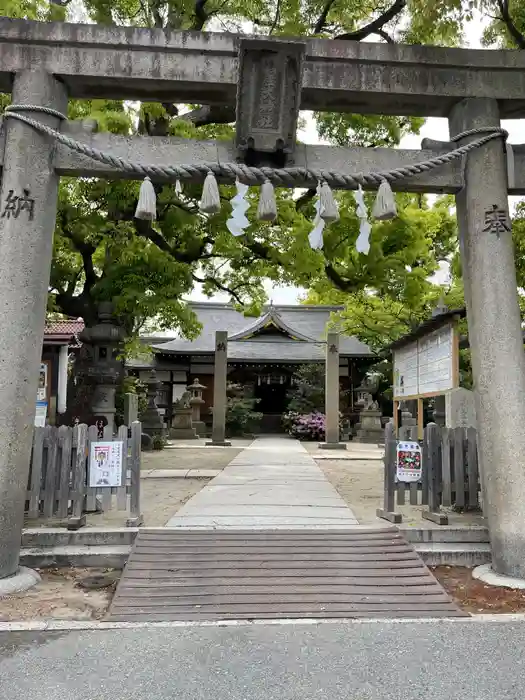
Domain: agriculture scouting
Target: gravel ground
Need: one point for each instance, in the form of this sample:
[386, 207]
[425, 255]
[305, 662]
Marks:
[192, 455]
[58, 597]
[360, 485]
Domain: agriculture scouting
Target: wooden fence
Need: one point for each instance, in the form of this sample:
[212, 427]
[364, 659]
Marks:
[450, 474]
[58, 477]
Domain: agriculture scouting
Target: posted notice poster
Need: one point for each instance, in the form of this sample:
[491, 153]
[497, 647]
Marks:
[409, 467]
[105, 464]
[41, 414]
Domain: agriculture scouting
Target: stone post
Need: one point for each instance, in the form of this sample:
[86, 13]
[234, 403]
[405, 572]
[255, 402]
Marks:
[332, 395]
[28, 200]
[152, 422]
[63, 361]
[495, 336]
[220, 378]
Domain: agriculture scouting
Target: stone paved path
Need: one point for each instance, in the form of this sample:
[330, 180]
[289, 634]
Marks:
[273, 483]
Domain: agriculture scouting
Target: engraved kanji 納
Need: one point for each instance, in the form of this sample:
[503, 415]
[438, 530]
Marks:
[14, 205]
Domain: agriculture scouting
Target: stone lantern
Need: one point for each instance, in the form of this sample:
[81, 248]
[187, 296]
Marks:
[196, 401]
[104, 370]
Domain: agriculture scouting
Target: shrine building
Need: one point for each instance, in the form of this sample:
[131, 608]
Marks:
[263, 354]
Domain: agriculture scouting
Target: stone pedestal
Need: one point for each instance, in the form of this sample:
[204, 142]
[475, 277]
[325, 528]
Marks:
[495, 334]
[369, 429]
[152, 422]
[332, 436]
[28, 200]
[181, 425]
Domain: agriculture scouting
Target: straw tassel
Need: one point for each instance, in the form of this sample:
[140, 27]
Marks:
[328, 211]
[147, 204]
[267, 208]
[362, 243]
[210, 199]
[385, 204]
[315, 237]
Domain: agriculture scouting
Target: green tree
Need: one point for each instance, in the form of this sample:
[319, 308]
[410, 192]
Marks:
[102, 252]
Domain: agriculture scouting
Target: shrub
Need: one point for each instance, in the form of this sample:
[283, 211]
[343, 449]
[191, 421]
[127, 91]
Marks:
[307, 426]
[158, 442]
[241, 417]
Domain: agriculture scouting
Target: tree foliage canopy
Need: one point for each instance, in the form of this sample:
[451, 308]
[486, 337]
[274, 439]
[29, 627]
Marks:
[102, 252]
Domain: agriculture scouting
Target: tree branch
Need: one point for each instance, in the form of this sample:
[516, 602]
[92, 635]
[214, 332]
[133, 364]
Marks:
[345, 285]
[321, 22]
[377, 25]
[210, 114]
[201, 16]
[221, 287]
[514, 32]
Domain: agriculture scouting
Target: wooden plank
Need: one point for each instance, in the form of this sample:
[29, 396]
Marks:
[122, 497]
[106, 491]
[91, 493]
[153, 590]
[446, 473]
[459, 466]
[65, 442]
[209, 616]
[51, 471]
[357, 532]
[285, 607]
[176, 547]
[320, 593]
[79, 469]
[197, 560]
[352, 578]
[473, 468]
[36, 472]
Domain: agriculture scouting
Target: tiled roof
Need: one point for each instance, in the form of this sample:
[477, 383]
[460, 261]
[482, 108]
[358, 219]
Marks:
[63, 329]
[308, 322]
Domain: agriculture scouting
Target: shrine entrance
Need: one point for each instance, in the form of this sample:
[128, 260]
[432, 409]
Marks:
[268, 79]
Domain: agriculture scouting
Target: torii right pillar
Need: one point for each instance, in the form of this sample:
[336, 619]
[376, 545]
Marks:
[495, 335]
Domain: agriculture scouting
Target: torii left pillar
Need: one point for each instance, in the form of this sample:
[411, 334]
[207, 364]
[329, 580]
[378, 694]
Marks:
[28, 200]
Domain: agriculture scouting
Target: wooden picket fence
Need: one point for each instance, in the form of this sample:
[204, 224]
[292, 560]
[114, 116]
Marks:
[450, 474]
[58, 477]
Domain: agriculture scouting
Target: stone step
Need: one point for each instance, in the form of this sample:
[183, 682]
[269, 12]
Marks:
[41, 538]
[468, 554]
[111, 557]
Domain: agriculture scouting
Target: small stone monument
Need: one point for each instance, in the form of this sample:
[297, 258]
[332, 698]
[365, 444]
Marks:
[196, 402]
[152, 422]
[460, 409]
[181, 423]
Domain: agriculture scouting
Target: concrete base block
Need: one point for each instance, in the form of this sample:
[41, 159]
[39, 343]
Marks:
[486, 573]
[111, 557]
[454, 554]
[435, 517]
[75, 523]
[23, 580]
[391, 516]
[332, 445]
[135, 521]
[218, 443]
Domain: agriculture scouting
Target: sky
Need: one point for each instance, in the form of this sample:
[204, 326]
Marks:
[433, 128]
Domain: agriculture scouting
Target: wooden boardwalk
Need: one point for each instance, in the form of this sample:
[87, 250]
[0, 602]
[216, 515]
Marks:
[218, 575]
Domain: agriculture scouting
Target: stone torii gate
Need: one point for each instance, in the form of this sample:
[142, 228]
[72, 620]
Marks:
[43, 65]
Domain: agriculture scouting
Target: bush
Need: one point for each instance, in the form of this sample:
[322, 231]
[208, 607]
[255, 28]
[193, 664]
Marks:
[158, 442]
[307, 426]
[241, 417]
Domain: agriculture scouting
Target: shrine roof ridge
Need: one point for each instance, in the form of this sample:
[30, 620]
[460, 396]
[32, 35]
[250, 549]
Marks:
[138, 63]
[428, 326]
[308, 323]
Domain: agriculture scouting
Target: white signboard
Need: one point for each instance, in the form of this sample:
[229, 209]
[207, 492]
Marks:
[426, 366]
[41, 414]
[408, 462]
[105, 464]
